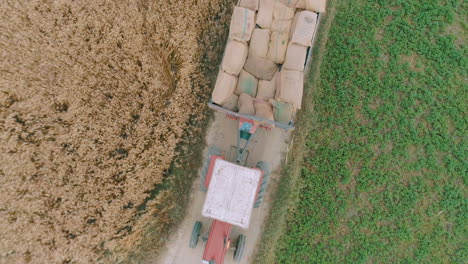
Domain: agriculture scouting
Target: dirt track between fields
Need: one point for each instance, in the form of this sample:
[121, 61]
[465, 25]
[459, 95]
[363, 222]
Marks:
[268, 145]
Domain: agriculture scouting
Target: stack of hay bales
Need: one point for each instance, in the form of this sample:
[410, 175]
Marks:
[262, 73]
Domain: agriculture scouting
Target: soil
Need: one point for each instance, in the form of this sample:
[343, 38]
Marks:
[267, 145]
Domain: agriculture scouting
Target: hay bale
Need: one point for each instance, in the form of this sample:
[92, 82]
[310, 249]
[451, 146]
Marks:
[281, 26]
[264, 109]
[289, 3]
[224, 87]
[282, 12]
[291, 84]
[250, 4]
[277, 47]
[246, 105]
[242, 24]
[283, 112]
[304, 26]
[247, 84]
[265, 13]
[295, 57]
[259, 43]
[261, 68]
[266, 89]
[319, 6]
[301, 4]
[234, 57]
[231, 103]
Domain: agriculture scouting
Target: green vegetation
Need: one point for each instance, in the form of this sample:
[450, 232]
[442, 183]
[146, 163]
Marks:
[384, 171]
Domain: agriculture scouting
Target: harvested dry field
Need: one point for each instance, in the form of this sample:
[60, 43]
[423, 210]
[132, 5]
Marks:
[97, 101]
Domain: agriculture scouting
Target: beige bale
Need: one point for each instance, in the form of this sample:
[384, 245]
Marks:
[234, 57]
[301, 4]
[282, 12]
[265, 13]
[293, 26]
[242, 24]
[281, 26]
[263, 69]
[259, 43]
[304, 28]
[266, 89]
[295, 57]
[283, 112]
[250, 4]
[291, 84]
[247, 84]
[231, 103]
[319, 6]
[289, 3]
[246, 105]
[224, 87]
[277, 47]
[264, 110]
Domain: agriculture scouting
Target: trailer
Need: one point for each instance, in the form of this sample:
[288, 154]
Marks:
[234, 190]
[248, 124]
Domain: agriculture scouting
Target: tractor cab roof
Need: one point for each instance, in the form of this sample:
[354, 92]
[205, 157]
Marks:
[231, 193]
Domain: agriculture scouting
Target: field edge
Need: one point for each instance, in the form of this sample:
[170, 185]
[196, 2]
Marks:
[284, 197]
[184, 169]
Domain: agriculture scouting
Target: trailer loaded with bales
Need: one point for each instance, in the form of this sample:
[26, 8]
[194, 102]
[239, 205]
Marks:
[260, 84]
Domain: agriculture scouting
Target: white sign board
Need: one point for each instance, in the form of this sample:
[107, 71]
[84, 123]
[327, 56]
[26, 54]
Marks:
[231, 193]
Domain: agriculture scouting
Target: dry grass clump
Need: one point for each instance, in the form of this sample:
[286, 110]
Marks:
[94, 99]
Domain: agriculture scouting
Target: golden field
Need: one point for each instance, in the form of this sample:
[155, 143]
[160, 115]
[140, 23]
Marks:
[96, 99]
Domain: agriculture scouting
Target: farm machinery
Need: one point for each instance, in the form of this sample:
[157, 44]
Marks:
[233, 189]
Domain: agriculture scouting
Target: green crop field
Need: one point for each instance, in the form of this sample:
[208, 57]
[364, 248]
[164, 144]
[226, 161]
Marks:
[384, 170]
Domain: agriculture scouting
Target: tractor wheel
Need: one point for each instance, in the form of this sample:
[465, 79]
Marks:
[266, 174]
[206, 164]
[240, 245]
[195, 234]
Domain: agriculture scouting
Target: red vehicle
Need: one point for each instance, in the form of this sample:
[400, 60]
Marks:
[233, 191]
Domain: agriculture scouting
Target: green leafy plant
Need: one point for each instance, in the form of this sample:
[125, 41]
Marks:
[383, 179]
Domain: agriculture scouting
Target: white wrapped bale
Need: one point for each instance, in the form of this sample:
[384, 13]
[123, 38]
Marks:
[264, 110]
[319, 6]
[282, 12]
[295, 57]
[246, 105]
[242, 24]
[291, 84]
[304, 27]
[265, 13]
[259, 43]
[247, 84]
[261, 68]
[277, 47]
[224, 87]
[250, 4]
[234, 57]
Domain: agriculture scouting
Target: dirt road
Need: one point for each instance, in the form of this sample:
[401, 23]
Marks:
[268, 145]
